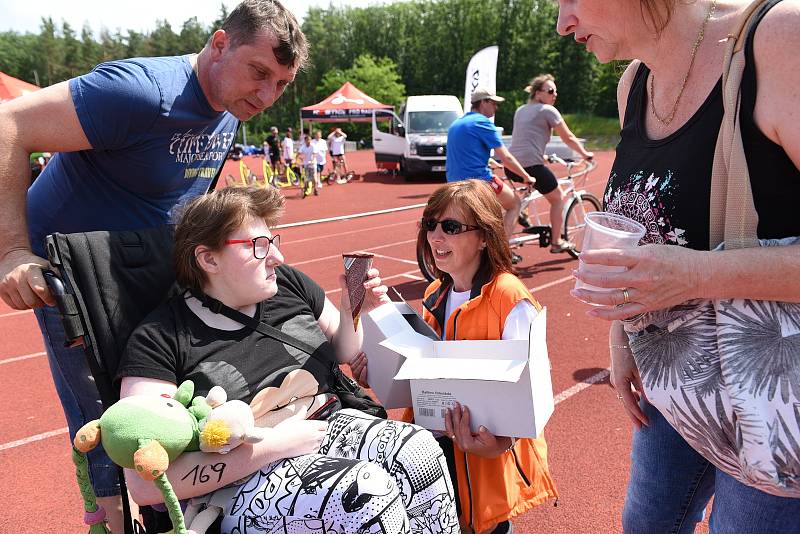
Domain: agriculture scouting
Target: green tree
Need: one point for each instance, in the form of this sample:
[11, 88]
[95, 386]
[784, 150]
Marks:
[163, 41]
[111, 46]
[136, 44]
[376, 77]
[18, 57]
[90, 49]
[193, 36]
[73, 61]
[50, 52]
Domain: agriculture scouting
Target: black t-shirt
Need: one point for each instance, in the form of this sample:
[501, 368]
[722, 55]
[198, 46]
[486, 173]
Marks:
[666, 184]
[274, 143]
[173, 344]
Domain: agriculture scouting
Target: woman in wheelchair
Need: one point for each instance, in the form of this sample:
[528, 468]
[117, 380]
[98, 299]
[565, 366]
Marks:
[316, 471]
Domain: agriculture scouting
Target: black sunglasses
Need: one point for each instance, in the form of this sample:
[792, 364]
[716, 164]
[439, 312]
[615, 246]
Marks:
[550, 91]
[449, 226]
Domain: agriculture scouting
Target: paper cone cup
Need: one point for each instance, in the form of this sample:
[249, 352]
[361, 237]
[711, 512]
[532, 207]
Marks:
[356, 266]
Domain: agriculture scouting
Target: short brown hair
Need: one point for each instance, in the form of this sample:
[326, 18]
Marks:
[537, 83]
[252, 16]
[477, 202]
[209, 219]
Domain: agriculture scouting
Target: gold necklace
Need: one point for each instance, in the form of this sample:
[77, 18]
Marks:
[668, 119]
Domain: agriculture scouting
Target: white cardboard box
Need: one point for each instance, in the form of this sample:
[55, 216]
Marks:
[506, 384]
[380, 324]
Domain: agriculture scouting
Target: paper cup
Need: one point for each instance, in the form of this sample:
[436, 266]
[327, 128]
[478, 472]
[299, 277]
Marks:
[356, 266]
[607, 230]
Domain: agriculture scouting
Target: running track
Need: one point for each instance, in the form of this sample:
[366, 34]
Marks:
[588, 435]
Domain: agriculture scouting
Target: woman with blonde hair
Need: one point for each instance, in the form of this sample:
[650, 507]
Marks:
[533, 124]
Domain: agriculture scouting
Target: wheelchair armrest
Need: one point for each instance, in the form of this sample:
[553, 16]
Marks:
[65, 302]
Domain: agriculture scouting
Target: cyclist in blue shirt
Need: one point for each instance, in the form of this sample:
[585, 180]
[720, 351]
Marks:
[134, 139]
[470, 141]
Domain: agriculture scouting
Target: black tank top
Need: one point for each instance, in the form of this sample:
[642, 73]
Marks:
[666, 184]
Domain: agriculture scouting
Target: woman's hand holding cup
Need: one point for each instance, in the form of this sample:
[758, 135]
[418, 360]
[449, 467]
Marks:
[647, 278]
[597, 278]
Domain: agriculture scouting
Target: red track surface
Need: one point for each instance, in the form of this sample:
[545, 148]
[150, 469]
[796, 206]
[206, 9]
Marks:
[588, 435]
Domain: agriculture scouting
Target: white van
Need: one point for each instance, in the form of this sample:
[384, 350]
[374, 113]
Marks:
[415, 142]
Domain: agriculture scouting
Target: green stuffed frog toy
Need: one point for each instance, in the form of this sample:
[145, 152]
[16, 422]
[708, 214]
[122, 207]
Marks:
[147, 432]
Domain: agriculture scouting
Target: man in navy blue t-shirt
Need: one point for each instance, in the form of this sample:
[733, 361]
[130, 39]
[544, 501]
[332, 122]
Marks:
[470, 141]
[134, 139]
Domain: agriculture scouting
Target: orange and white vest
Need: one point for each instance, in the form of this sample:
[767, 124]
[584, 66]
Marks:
[492, 490]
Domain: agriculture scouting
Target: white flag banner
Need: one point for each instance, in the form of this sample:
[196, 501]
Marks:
[482, 70]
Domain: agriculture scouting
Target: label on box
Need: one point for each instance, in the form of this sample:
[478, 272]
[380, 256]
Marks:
[434, 403]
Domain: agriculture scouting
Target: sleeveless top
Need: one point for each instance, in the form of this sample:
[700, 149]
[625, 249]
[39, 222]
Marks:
[665, 184]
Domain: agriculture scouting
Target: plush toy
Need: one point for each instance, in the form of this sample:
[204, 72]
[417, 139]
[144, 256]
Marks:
[147, 432]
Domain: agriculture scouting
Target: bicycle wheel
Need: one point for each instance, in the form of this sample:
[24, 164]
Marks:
[424, 267]
[575, 220]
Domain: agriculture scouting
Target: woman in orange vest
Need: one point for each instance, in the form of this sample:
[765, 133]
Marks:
[477, 297]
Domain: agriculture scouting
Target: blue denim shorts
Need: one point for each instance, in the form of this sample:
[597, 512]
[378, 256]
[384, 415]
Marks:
[79, 397]
[671, 484]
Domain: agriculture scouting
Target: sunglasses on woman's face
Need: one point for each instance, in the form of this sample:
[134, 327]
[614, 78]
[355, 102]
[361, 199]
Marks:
[550, 91]
[449, 226]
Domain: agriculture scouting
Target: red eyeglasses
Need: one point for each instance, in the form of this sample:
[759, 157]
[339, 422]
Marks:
[261, 244]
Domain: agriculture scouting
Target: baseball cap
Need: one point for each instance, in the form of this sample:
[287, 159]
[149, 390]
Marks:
[482, 93]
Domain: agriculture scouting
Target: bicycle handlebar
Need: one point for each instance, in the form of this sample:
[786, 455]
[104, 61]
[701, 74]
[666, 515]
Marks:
[569, 163]
[553, 158]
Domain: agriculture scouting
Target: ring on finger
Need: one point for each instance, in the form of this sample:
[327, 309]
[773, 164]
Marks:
[626, 298]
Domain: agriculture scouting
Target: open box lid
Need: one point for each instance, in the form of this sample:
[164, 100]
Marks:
[462, 369]
[410, 344]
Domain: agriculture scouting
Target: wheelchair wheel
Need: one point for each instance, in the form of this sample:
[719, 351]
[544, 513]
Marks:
[425, 268]
[575, 220]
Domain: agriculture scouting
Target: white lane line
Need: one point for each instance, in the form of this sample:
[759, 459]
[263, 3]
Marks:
[12, 314]
[314, 260]
[351, 216]
[413, 277]
[551, 284]
[561, 397]
[359, 231]
[20, 358]
[32, 439]
[577, 388]
[394, 259]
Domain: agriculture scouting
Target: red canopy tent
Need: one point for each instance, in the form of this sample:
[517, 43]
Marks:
[346, 104]
[11, 87]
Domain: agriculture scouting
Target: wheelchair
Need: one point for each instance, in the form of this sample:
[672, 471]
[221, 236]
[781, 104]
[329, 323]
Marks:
[105, 283]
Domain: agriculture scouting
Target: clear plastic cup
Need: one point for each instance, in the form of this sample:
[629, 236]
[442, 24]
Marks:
[607, 230]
